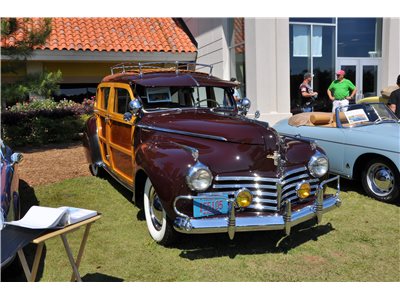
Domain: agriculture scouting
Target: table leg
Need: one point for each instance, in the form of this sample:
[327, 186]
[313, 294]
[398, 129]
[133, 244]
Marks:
[31, 276]
[81, 248]
[70, 257]
[24, 264]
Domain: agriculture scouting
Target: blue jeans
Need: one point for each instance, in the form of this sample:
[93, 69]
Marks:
[307, 109]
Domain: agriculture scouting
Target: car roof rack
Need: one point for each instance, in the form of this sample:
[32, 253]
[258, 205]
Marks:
[146, 67]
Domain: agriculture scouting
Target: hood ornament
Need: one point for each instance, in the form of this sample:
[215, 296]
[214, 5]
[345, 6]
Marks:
[276, 157]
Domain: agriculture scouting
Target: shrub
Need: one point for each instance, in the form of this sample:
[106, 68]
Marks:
[44, 121]
[42, 85]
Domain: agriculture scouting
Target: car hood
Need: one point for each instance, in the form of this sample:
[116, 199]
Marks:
[207, 124]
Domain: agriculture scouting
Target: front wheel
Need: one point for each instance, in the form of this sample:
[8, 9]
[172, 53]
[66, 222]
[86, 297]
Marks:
[381, 180]
[158, 224]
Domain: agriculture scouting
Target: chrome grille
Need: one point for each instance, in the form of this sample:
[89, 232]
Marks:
[266, 191]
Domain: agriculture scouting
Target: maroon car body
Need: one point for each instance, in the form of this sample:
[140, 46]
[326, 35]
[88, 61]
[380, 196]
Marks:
[198, 164]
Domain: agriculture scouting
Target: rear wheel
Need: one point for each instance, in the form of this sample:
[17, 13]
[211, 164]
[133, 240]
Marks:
[381, 180]
[96, 170]
[158, 224]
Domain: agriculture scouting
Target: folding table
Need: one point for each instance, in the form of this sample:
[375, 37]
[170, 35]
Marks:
[62, 232]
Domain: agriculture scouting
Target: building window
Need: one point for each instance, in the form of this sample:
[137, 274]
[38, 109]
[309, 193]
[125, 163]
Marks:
[237, 52]
[312, 49]
[76, 92]
[359, 37]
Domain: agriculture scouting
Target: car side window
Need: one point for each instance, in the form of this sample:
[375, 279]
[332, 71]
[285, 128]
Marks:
[121, 100]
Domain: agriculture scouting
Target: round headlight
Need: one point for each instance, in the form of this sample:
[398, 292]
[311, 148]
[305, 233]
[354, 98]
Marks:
[199, 177]
[318, 165]
[243, 198]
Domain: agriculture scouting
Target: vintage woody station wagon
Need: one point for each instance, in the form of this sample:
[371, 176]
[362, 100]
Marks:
[180, 142]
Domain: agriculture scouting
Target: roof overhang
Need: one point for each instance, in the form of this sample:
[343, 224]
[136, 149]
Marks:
[104, 56]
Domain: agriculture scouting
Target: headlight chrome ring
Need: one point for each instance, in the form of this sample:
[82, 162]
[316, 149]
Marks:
[318, 165]
[199, 177]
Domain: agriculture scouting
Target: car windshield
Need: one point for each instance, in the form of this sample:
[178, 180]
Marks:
[185, 97]
[365, 114]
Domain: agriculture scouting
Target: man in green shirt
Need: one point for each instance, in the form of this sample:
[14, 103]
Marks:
[341, 91]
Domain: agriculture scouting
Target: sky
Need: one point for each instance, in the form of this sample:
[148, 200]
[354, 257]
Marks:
[201, 8]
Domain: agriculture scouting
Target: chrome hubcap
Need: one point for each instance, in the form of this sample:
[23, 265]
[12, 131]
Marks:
[380, 179]
[156, 210]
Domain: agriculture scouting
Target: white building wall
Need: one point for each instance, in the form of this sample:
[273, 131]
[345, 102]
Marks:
[390, 51]
[267, 60]
[210, 34]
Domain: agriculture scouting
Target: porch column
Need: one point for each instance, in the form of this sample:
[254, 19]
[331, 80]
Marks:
[390, 51]
[267, 67]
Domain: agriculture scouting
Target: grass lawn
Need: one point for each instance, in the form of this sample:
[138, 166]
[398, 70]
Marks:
[357, 242]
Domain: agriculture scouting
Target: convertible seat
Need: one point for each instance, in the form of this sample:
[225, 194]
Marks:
[312, 119]
[317, 118]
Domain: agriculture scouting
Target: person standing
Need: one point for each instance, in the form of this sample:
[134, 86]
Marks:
[236, 91]
[394, 99]
[341, 91]
[307, 93]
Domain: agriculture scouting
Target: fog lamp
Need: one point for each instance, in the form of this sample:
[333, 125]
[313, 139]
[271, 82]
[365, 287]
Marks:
[243, 198]
[303, 190]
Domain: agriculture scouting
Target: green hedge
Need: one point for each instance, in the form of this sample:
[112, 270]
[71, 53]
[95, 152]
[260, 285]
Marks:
[36, 124]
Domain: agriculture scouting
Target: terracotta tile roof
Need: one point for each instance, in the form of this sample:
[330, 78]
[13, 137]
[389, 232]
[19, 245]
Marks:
[111, 34]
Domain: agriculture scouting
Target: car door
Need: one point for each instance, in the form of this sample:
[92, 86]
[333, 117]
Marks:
[120, 133]
[102, 116]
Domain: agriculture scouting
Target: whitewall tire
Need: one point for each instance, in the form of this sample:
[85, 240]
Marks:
[158, 224]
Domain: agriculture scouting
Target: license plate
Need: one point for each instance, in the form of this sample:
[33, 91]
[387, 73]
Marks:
[203, 207]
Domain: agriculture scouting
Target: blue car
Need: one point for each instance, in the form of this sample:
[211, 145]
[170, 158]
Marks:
[10, 201]
[362, 142]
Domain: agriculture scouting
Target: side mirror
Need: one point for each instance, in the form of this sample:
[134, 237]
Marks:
[244, 106]
[16, 158]
[135, 106]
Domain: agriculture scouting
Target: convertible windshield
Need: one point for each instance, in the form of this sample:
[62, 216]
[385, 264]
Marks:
[365, 114]
[181, 97]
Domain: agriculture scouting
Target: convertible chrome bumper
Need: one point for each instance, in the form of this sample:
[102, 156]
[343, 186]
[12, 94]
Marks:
[232, 223]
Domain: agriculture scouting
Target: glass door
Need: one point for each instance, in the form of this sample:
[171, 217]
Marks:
[363, 72]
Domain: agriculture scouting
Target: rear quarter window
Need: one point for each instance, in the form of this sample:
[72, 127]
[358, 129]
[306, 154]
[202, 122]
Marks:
[102, 97]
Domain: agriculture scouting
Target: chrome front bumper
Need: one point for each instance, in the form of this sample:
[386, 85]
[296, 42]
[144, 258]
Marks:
[231, 223]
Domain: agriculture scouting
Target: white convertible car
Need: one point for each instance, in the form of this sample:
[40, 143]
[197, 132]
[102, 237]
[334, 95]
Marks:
[362, 142]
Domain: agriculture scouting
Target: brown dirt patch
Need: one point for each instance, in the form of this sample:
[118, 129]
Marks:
[54, 163]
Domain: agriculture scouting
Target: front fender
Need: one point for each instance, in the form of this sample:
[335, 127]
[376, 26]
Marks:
[166, 164]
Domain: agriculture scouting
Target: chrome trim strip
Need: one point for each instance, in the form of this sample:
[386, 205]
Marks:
[200, 135]
[263, 207]
[304, 175]
[249, 178]
[260, 193]
[291, 172]
[237, 186]
[261, 200]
